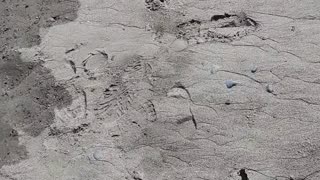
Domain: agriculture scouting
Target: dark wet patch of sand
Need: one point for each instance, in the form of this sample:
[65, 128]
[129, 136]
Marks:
[28, 91]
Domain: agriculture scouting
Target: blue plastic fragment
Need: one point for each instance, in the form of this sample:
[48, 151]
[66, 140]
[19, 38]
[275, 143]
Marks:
[230, 83]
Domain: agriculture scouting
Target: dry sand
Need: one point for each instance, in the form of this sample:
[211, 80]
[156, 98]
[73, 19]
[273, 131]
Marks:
[160, 90]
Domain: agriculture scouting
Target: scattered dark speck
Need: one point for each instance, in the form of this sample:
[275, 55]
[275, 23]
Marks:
[192, 21]
[92, 78]
[85, 125]
[13, 133]
[217, 17]
[78, 129]
[54, 131]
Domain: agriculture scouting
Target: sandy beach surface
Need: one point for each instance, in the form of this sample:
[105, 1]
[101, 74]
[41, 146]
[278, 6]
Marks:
[159, 90]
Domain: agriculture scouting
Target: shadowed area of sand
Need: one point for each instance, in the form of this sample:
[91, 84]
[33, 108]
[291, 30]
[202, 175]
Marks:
[29, 93]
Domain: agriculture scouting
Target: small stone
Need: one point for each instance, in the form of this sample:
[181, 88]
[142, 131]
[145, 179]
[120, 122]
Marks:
[51, 19]
[98, 155]
[230, 83]
[200, 40]
[269, 89]
[254, 70]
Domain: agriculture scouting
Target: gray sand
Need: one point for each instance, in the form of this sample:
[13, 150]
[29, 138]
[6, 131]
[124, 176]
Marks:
[160, 90]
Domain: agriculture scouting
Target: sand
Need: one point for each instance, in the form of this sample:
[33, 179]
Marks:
[160, 90]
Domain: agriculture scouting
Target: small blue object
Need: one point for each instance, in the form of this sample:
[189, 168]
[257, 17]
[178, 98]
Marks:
[230, 83]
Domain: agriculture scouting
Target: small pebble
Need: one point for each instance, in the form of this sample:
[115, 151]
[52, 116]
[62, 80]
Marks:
[228, 102]
[98, 155]
[269, 89]
[51, 20]
[200, 40]
[230, 83]
[254, 69]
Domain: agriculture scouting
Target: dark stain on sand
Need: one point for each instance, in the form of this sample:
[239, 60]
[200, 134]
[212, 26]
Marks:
[28, 91]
